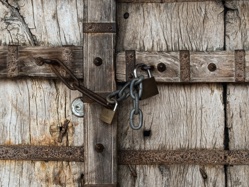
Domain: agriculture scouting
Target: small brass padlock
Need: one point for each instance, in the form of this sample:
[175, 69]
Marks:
[149, 84]
[107, 115]
[149, 87]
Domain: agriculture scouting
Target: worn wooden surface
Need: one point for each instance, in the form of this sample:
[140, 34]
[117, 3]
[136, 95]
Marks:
[199, 61]
[181, 116]
[171, 26]
[100, 168]
[27, 57]
[32, 109]
[237, 33]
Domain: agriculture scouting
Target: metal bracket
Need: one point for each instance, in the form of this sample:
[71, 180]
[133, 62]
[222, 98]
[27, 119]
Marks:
[130, 58]
[184, 66]
[99, 27]
[240, 65]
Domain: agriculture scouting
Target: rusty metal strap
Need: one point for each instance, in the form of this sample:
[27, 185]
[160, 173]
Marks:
[130, 59]
[187, 157]
[99, 27]
[42, 153]
[166, 1]
[100, 185]
[185, 66]
[240, 65]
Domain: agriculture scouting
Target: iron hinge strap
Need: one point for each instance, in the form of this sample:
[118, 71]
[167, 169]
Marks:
[42, 153]
[99, 27]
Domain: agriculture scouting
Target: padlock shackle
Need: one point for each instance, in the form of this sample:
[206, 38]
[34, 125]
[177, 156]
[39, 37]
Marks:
[141, 65]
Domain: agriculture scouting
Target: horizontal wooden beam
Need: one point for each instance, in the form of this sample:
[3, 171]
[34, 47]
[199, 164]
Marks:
[167, 1]
[184, 157]
[190, 67]
[18, 61]
[42, 153]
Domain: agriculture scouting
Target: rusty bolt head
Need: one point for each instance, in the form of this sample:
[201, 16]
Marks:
[99, 147]
[126, 15]
[212, 67]
[98, 61]
[161, 67]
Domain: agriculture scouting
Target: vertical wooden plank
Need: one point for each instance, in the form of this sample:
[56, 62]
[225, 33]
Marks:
[30, 107]
[237, 33]
[100, 168]
[181, 116]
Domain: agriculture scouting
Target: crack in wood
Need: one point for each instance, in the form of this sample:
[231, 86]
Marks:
[16, 12]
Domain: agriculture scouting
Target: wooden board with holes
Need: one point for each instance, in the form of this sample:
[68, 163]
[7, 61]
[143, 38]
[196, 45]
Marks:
[181, 116]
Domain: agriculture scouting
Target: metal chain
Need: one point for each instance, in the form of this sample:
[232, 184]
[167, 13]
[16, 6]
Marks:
[56, 66]
[133, 89]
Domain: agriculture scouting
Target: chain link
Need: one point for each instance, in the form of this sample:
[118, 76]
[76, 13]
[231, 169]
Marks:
[133, 89]
[73, 82]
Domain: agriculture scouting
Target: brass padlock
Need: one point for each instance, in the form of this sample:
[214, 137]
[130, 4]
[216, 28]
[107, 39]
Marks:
[149, 84]
[149, 87]
[107, 115]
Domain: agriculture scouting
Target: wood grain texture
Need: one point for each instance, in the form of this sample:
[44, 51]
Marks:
[38, 174]
[165, 175]
[100, 168]
[32, 109]
[237, 33]
[182, 117]
[171, 26]
[237, 118]
[25, 62]
[237, 25]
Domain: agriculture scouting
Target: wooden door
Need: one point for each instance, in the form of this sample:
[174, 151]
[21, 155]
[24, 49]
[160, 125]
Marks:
[32, 108]
[183, 116]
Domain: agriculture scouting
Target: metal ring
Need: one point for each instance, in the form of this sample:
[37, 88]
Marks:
[110, 98]
[132, 86]
[140, 124]
[136, 104]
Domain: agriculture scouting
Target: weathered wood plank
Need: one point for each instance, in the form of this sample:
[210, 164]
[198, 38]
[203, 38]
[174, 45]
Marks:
[32, 109]
[164, 175]
[237, 25]
[171, 26]
[18, 173]
[26, 64]
[237, 33]
[100, 168]
[199, 66]
[182, 117]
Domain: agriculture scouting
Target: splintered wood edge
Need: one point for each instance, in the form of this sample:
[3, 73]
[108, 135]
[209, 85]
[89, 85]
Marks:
[191, 67]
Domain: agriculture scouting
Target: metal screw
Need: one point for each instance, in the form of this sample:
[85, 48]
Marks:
[212, 67]
[126, 15]
[98, 61]
[161, 67]
[99, 147]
